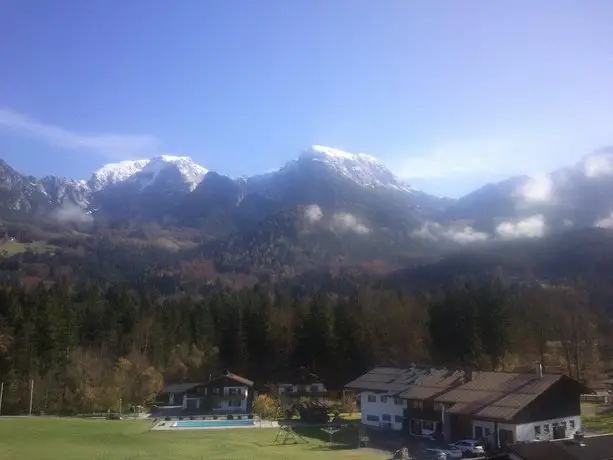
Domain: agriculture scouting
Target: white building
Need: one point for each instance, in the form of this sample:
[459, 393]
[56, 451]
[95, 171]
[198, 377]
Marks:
[379, 390]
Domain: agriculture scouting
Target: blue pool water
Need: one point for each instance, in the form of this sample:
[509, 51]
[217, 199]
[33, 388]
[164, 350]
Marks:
[211, 423]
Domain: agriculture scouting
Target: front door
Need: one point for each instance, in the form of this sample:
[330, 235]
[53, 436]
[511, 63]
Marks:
[478, 432]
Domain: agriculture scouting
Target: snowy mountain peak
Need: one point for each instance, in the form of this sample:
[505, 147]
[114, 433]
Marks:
[146, 172]
[361, 168]
[341, 154]
[113, 173]
[191, 173]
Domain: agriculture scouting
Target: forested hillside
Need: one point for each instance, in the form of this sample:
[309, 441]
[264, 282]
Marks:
[86, 345]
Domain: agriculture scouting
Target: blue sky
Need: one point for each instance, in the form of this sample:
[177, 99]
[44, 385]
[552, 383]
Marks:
[450, 94]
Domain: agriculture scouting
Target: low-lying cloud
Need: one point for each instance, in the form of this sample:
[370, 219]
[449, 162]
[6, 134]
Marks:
[462, 235]
[345, 222]
[71, 213]
[605, 222]
[598, 165]
[531, 227]
[538, 189]
[120, 146]
[313, 213]
[342, 222]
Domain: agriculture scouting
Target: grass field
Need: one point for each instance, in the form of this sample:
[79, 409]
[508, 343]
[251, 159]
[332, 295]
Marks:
[597, 418]
[14, 247]
[75, 439]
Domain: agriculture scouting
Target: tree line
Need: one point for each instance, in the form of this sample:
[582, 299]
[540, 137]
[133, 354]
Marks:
[87, 347]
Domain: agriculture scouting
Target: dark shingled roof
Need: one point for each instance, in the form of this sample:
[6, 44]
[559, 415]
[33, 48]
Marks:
[435, 382]
[181, 387]
[388, 379]
[497, 395]
[592, 448]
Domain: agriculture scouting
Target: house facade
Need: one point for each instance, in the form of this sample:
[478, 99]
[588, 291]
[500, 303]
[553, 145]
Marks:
[289, 387]
[500, 408]
[174, 393]
[379, 391]
[228, 393]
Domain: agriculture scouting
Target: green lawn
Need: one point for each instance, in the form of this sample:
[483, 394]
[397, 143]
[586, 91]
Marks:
[14, 247]
[597, 418]
[76, 439]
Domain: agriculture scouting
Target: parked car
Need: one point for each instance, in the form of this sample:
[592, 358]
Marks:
[470, 447]
[443, 453]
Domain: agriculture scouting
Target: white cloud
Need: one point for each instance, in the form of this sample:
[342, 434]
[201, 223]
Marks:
[345, 222]
[531, 227]
[463, 235]
[110, 145]
[313, 213]
[605, 222]
[72, 213]
[538, 189]
[597, 165]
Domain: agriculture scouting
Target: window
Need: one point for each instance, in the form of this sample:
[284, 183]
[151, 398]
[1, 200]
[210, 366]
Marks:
[416, 404]
[554, 425]
[537, 431]
[232, 391]
[314, 388]
[398, 401]
[438, 406]
[216, 391]
[372, 398]
[571, 424]
[386, 417]
[546, 428]
[399, 419]
[564, 425]
[383, 399]
[427, 425]
[372, 418]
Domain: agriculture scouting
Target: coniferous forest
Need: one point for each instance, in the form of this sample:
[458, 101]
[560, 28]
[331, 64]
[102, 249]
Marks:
[87, 347]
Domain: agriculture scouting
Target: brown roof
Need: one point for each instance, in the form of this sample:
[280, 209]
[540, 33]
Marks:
[239, 379]
[496, 395]
[387, 379]
[432, 384]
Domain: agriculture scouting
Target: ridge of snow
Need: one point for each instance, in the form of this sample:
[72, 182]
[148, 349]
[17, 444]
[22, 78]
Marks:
[146, 172]
[113, 173]
[361, 168]
[191, 172]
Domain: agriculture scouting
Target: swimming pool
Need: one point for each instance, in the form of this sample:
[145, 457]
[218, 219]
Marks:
[212, 423]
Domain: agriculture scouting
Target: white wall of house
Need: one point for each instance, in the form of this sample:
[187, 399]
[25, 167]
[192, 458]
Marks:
[380, 409]
[234, 400]
[528, 431]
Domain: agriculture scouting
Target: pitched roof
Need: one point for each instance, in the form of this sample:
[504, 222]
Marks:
[238, 378]
[300, 375]
[180, 387]
[387, 379]
[598, 447]
[433, 383]
[497, 395]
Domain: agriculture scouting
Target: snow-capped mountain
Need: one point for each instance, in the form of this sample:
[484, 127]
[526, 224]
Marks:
[364, 170]
[147, 173]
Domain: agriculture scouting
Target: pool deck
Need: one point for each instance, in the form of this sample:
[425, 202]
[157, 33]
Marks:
[170, 426]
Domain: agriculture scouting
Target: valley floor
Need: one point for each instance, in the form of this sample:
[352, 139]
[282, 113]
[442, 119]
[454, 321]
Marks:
[49, 438]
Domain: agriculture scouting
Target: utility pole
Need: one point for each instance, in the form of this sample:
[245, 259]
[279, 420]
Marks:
[1, 395]
[31, 394]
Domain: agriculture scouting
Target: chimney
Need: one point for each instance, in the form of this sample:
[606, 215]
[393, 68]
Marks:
[539, 370]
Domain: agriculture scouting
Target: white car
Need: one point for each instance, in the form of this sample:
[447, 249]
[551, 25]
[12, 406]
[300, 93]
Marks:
[443, 453]
[470, 447]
